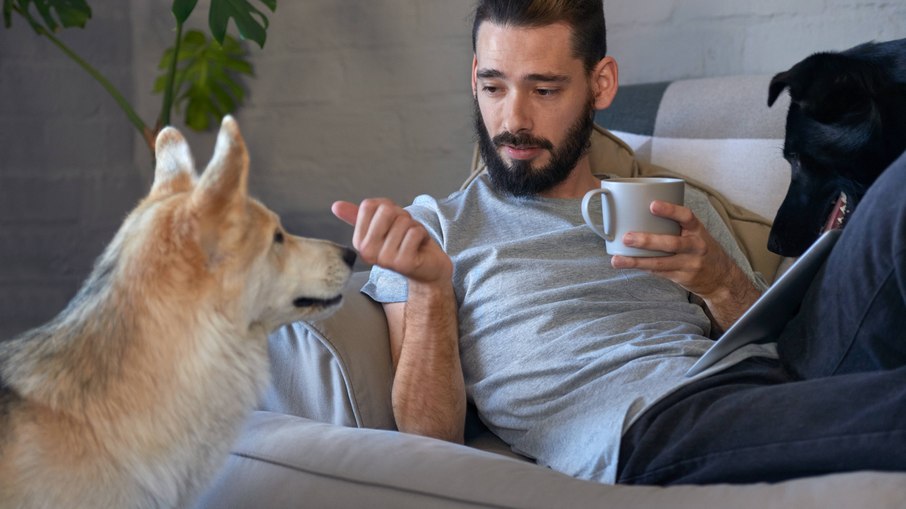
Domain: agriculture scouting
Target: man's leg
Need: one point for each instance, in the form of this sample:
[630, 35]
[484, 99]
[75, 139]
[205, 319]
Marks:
[750, 424]
[854, 316]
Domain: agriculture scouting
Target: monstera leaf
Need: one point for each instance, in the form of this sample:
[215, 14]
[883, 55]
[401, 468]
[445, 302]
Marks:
[251, 22]
[206, 86]
[66, 13]
[182, 9]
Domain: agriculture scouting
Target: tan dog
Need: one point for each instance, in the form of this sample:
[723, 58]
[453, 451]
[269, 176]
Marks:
[132, 396]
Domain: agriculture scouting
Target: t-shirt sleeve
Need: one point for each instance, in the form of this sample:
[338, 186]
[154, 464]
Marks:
[700, 205]
[387, 286]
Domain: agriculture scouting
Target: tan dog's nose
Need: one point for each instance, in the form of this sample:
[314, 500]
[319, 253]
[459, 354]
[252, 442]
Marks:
[349, 256]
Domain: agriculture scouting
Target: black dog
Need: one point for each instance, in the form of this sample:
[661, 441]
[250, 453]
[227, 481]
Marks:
[846, 124]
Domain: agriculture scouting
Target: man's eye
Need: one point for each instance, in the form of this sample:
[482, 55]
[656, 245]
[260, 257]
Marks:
[545, 92]
[278, 237]
[489, 89]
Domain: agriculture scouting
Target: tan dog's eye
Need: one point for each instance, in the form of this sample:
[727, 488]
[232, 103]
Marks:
[278, 237]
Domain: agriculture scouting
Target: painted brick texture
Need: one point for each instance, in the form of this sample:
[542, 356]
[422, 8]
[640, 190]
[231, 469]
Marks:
[66, 171]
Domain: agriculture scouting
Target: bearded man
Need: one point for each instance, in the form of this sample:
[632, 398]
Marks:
[500, 295]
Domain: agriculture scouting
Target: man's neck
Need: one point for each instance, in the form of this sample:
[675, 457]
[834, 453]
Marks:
[580, 181]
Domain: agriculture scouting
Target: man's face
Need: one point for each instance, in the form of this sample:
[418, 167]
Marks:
[534, 106]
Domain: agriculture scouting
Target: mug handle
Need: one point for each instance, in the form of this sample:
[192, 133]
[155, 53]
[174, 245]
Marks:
[604, 231]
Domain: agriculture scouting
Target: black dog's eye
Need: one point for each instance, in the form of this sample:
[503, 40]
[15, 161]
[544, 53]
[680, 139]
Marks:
[278, 237]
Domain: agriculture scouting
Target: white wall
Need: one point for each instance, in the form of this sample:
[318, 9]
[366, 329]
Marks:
[660, 40]
[350, 99]
[66, 169]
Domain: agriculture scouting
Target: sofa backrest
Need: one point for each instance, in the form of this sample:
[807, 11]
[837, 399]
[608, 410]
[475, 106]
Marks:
[718, 134]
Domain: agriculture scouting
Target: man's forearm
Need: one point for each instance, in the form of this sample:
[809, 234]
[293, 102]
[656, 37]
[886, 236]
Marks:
[428, 388]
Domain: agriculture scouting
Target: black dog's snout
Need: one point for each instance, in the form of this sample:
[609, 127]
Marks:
[349, 256]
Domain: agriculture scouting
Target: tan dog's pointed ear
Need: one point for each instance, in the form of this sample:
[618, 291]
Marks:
[174, 169]
[225, 180]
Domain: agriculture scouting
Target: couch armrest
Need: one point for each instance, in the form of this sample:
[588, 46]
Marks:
[283, 461]
[336, 370]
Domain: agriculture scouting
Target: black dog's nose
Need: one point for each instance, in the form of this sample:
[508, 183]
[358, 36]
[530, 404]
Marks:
[349, 256]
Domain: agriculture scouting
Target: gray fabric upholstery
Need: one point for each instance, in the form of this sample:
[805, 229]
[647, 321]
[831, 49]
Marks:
[283, 461]
[337, 370]
[634, 109]
[720, 108]
[719, 131]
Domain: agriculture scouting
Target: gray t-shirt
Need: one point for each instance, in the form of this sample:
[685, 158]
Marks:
[560, 351]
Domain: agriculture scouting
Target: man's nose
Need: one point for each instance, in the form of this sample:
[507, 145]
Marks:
[517, 114]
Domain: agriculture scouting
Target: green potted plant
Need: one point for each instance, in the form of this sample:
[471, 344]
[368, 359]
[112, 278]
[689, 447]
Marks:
[199, 75]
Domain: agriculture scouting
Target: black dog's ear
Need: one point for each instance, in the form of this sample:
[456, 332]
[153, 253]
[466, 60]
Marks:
[828, 86]
[778, 84]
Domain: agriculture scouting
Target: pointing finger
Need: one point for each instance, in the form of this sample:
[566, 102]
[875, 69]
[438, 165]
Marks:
[345, 211]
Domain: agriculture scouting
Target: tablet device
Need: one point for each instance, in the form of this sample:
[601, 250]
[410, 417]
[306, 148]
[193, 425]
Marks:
[766, 318]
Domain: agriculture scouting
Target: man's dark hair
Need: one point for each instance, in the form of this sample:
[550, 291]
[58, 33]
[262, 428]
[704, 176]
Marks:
[585, 17]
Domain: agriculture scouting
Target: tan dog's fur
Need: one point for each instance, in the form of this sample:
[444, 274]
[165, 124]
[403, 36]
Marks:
[132, 396]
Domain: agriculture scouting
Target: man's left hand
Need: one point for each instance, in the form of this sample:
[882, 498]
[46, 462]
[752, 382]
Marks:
[698, 263]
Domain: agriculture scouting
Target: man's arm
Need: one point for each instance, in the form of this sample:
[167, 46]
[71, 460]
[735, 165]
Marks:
[428, 389]
[700, 265]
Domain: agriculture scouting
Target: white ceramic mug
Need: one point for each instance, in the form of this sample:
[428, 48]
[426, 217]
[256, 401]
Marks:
[626, 207]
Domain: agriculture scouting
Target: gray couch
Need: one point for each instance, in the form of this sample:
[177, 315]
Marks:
[325, 434]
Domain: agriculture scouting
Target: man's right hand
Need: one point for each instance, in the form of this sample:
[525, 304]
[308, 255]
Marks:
[428, 394]
[386, 235]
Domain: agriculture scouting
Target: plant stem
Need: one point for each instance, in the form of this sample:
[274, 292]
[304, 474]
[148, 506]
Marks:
[104, 82]
[171, 79]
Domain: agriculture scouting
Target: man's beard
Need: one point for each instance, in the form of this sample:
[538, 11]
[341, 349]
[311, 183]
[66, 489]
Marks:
[519, 178]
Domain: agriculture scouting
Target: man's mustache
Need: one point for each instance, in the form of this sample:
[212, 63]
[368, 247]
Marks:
[521, 140]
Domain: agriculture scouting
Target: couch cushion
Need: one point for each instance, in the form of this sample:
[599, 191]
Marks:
[718, 132]
[721, 131]
[283, 461]
[335, 370]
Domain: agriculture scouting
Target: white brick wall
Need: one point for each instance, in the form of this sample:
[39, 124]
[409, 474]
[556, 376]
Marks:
[660, 40]
[350, 99]
[66, 172]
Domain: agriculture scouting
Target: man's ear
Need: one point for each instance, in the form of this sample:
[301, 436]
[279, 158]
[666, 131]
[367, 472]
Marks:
[474, 76]
[605, 82]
